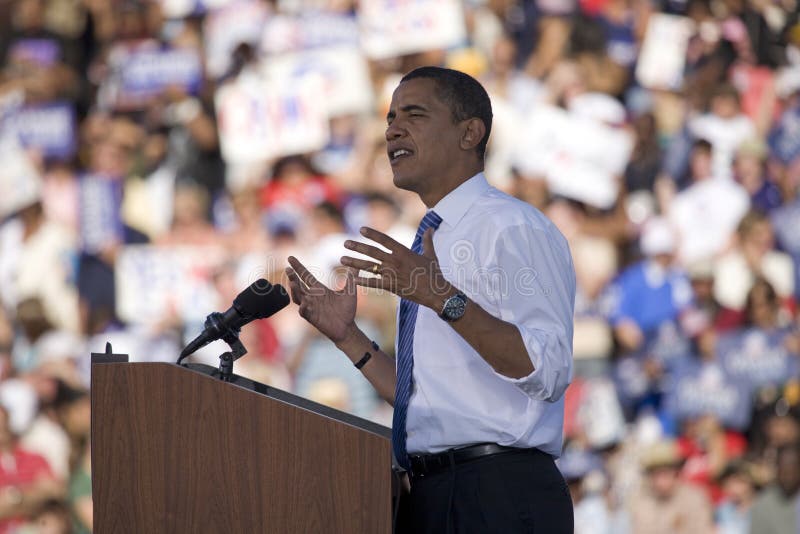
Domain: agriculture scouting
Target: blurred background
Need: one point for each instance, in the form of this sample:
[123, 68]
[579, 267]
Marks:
[157, 157]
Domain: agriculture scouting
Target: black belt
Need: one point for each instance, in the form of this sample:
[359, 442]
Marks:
[426, 464]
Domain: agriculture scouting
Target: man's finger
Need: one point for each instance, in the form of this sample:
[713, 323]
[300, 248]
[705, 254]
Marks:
[375, 283]
[383, 239]
[303, 273]
[357, 263]
[367, 250]
[350, 285]
[427, 244]
[295, 286]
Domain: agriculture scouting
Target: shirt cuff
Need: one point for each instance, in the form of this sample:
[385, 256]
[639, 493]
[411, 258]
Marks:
[552, 366]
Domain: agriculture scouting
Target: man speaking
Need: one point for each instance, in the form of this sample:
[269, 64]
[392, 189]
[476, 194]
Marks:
[484, 338]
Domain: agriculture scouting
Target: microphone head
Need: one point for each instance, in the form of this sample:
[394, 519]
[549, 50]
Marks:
[261, 299]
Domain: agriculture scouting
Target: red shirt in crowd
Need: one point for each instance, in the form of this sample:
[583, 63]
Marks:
[19, 469]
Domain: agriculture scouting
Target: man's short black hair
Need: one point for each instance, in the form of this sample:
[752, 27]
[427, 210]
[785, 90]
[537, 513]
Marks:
[464, 94]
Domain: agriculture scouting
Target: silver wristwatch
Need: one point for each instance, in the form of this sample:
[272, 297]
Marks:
[454, 307]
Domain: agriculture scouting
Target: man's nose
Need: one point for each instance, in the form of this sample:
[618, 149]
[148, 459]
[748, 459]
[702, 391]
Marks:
[393, 131]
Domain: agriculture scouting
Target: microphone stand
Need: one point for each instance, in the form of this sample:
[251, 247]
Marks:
[230, 336]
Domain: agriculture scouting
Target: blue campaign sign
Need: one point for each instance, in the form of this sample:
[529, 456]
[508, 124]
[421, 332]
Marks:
[143, 70]
[786, 221]
[784, 139]
[756, 357]
[667, 343]
[43, 52]
[49, 128]
[703, 388]
[100, 201]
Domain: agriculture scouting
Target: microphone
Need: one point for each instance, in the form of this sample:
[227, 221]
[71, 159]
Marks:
[260, 300]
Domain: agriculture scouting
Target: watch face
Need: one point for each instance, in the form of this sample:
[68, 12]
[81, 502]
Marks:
[455, 307]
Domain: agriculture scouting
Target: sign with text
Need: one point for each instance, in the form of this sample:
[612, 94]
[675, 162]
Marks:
[342, 73]
[391, 28]
[153, 283]
[174, 9]
[704, 388]
[20, 182]
[259, 120]
[757, 357]
[143, 70]
[39, 52]
[48, 128]
[100, 202]
[293, 33]
[581, 158]
[663, 56]
[228, 27]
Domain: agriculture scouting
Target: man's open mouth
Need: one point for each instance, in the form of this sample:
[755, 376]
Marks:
[399, 153]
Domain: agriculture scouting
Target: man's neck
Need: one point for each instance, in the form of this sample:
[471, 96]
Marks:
[432, 197]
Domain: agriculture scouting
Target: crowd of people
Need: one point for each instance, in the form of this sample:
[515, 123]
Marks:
[156, 157]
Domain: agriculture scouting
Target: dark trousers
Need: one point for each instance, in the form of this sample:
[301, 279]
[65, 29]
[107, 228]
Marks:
[504, 493]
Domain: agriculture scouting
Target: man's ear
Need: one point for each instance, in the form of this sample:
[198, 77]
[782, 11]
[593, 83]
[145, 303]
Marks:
[474, 132]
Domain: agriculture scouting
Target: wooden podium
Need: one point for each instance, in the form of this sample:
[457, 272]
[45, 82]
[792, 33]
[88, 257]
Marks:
[175, 449]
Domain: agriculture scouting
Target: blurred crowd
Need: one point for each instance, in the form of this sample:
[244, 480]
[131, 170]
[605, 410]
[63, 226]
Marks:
[156, 157]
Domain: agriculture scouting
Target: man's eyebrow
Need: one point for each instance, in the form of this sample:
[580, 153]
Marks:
[410, 107]
[413, 107]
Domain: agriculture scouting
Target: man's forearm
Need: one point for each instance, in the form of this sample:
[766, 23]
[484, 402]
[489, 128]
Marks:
[379, 370]
[496, 341]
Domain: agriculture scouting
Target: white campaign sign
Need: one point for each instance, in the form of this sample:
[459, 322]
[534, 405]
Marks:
[663, 56]
[20, 182]
[579, 157]
[154, 282]
[342, 72]
[226, 28]
[392, 28]
[259, 120]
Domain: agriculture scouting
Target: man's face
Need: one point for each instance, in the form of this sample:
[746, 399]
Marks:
[700, 164]
[422, 138]
[788, 469]
[663, 481]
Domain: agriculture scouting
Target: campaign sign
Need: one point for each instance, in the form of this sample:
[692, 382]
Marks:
[48, 128]
[304, 31]
[41, 52]
[342, 72]
[100, 200]
[391, 28]
[667, 344]
[786, 221]
[226, 28]
[20, 182]
[663, 56]
[175, 9]
[258, 120]
[756, 357]
[581, 158]
[144, 73]
[698, 388]
[154, 282]
[784, 139]
[631, 380]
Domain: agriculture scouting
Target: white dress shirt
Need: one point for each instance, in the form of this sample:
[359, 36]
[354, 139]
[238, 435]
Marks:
[506, 256]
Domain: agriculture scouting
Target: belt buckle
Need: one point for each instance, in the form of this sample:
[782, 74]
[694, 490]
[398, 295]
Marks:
[419, 459]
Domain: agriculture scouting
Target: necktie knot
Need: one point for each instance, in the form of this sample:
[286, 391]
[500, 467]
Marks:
[431, 220]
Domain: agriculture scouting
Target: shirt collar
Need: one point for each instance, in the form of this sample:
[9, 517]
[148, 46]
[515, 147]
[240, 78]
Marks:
[455, 204]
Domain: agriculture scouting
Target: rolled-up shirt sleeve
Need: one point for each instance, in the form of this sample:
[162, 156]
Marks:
[538, 298]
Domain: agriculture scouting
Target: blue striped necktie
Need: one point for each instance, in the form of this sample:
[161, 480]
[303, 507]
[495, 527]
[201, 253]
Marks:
[405, 352]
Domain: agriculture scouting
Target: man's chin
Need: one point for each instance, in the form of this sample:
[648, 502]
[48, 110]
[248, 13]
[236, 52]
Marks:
[402, 181]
